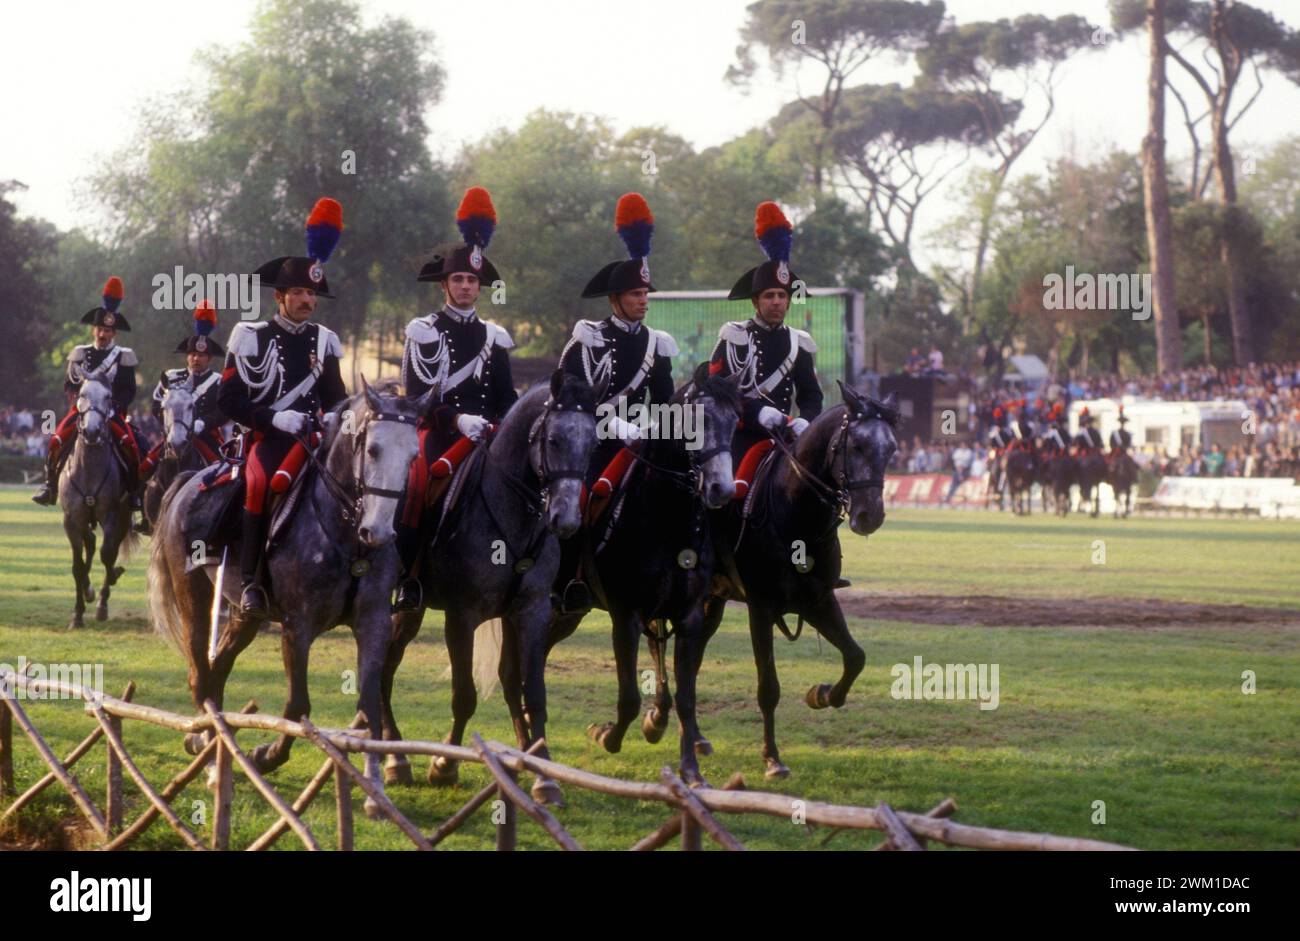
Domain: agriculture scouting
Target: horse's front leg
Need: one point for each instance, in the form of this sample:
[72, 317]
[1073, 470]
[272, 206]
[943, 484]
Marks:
[762, 620]
[627, 642]
[115, 527]
[693, 634]
[295, 647]
[373, 633]
[656, 718]
[825, 615]
[531, 626]
[444, 772]
[402, 630]
[80, 570]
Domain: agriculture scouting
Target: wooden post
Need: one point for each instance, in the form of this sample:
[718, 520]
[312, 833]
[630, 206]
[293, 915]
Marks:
[945, 808]
[454, 822]
[113, 782]
[899, 835]
[507, 830]
[691, 842]
[6, 749]
[673, 826]
[223, 798]
[343, 804]
[79, 796]
[697, 813]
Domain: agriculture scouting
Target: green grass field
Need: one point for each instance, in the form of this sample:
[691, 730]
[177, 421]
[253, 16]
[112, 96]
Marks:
[1151, 720]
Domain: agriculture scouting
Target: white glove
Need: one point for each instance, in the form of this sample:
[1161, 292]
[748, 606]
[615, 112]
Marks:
[799, 426]
[624, 431]
[472, 426]
[770, 418]
[199, 426]
[295, 423]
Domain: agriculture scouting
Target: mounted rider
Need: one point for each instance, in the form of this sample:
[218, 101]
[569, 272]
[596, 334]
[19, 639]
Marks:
[1056, 437]
[1120, 438]
[279, 375]
[1022, 425]
[198, 377]
[1088, 438]
[776, 362]
[631, 360]
[1000, 435]
[118, 364]
[468, 359]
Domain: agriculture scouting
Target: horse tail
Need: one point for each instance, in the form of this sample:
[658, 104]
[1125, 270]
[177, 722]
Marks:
[164, 609]
[487, 655]
[130, 542]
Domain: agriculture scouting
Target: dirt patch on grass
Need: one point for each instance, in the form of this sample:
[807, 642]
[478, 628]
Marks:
[1003, 611]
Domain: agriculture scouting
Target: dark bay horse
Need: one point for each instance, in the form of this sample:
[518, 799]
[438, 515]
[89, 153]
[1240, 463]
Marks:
[651, 560]
[785, 557]
[333, 563]
[1122, 475]
[1020, 479]
[496, 555]
[92, 492]
[1090, 474]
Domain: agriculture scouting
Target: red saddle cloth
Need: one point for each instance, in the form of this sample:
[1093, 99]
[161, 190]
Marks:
[749, 466]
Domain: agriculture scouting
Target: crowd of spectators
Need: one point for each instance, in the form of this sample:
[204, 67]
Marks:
[23, 431]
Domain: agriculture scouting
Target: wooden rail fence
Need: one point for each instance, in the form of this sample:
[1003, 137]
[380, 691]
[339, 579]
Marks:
[695, 812]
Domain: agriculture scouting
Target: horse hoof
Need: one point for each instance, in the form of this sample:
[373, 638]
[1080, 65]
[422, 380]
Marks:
[652, 727]
[260, 756]
[399, 774]
[600, 734]
[692, 778]
[101, 613]
[118, 572]
[776, 770]
[76, 621]
[819, 697]
[546, 791]
[703, 747]
[372, 808]
[443, 773]
[194, 743]
[90, 596]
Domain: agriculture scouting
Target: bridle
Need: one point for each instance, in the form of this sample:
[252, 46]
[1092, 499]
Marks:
[90, 409]
[692, 479]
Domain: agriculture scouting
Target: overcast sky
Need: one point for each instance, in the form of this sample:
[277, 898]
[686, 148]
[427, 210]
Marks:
[74, 73]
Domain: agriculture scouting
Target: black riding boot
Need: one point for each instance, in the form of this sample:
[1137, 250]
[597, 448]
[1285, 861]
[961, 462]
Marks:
[48, 495]
[253, 602]
[574, 596]
[410, 594]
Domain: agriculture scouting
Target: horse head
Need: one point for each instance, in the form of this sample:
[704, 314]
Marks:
[376, 433]
[94, 407]
[560, 443]
[718, 401]
[178, 417]
[857, 461]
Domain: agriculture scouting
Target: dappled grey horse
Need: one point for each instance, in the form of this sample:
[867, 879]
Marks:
[179, 453]
[496, 556]
[333, 563]
[92, 492]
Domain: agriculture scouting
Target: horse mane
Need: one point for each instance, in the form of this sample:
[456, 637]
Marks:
[816, 439]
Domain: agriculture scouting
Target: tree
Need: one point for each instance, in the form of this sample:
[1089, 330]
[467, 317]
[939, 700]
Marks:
[25, 249]
[1155, 187]
[315, 104]
[1232, 37]
[839, 36]
[977, 61]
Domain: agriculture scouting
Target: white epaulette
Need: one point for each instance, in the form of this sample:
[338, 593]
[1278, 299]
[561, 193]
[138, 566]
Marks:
[421, 330]
[127, 357]
[243, 338]
[805, 339]
[588, 333]
[497, 335]
[667, 345]
[332, 345]
[734, 332]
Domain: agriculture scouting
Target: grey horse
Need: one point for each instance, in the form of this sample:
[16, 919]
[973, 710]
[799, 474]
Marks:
[334, 562]
[179, 453]
[496, 556]
[92, 492]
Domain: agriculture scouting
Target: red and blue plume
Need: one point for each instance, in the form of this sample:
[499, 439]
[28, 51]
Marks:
[635, 224]
[205, 318]
[773, 231]
[112, 293]
[324, 226]
[476, 217]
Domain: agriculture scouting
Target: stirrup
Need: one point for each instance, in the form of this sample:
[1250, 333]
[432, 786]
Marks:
[253, 602]
[410, 595]
[841, 582]
[576, 598]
